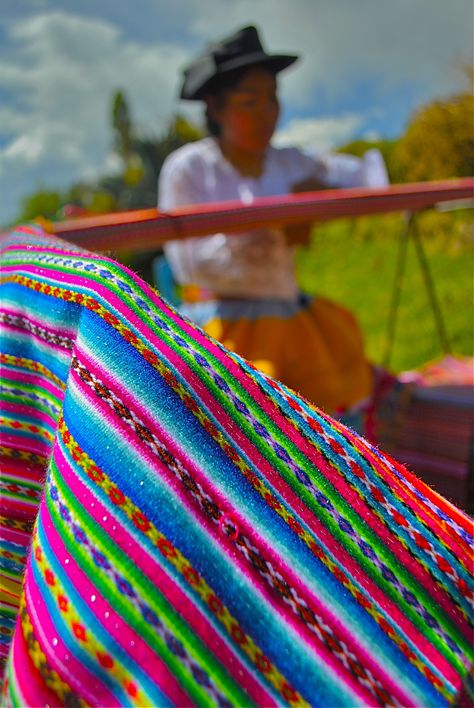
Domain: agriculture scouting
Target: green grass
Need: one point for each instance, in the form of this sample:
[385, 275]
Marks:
[353, 261]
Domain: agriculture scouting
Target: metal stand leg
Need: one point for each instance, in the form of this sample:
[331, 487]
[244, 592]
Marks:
[396, 291]
[430, 289]
[411, 230]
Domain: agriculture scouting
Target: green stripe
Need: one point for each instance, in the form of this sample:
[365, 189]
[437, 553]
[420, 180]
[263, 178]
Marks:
[30, 484]
[148, 593]
[32, 388]
[127, 612]
[389, 560]
[36, 406]
[13, 694]
[19, 497]
[44, 373]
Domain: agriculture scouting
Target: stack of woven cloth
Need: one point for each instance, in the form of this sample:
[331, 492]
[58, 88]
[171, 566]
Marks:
[432, 427]
[195, 533]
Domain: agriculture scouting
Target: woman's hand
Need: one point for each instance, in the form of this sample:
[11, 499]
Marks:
[299, 234]
[308, 185]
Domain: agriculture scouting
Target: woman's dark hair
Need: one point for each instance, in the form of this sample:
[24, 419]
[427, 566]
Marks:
[212, 127]
[217, 89]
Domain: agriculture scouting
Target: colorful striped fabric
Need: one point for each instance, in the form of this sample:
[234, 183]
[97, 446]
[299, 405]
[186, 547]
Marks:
[205, 536]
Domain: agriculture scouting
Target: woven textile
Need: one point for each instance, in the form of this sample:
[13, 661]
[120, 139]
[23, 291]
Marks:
[204, 535]
[432, 431]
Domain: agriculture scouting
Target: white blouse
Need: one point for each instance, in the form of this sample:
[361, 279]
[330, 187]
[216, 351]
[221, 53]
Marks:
[256, 264]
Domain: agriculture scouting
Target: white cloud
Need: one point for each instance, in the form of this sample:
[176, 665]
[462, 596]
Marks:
[26, 149]
[59, 70]
[421, 42]
[319, 134]
[65, 71]
[71, 65]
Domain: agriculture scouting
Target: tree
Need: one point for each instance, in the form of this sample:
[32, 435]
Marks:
[44, 203]
[121, 124]
[154, 151]
[387, 149]
[135, 187]
[142, 157]
[439, 141]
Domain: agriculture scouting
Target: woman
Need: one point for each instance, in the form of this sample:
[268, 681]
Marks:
[247, 292]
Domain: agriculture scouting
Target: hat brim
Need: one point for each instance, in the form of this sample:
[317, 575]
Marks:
[273, 62]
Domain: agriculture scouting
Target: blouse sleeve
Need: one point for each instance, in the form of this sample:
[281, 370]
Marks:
[179, 184]
[347, 171]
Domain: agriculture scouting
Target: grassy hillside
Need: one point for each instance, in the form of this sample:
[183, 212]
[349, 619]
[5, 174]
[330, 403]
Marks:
[353, 261]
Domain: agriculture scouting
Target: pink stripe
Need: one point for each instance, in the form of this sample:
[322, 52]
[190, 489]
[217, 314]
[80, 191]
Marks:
[25, 443]
[61, 657]
[15, 310]
[28, 411]
[66, 248]
[21, 538]
[138, 652]
[25, 677]
[170, 590]
[23, 471]
[253, 577]
[277, 481]
[18, 508]
[457, 544]
[38, 381]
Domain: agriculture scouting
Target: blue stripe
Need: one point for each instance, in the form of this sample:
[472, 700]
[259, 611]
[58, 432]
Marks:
[91, 623]
[157, 501]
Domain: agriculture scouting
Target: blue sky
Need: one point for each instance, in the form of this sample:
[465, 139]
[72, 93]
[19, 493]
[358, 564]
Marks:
[366, 66]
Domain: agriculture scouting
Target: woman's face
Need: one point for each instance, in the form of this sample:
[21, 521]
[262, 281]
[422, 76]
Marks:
[247, 114]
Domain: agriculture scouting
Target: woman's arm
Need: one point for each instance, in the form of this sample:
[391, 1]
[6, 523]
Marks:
[334, 171]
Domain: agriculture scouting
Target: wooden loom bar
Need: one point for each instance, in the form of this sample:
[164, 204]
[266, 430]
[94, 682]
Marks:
[148, 228]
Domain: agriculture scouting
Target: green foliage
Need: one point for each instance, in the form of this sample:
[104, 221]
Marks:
[45, 203]
[387, 149]
[439, 141]
[122, 124]
[91, 198]
[152, 152]
[142, 157]
[353, 261]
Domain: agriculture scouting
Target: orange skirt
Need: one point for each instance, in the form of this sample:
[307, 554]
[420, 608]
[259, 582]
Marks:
[314, 345]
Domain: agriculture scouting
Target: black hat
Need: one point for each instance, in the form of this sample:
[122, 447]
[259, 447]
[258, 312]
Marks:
[243, 48]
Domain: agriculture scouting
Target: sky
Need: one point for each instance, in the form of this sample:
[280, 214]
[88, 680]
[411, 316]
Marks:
[366, 66]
